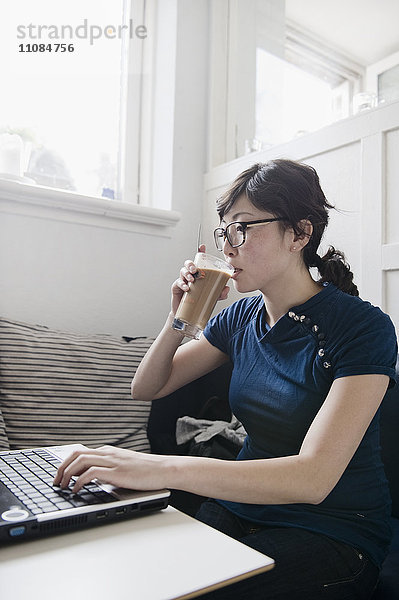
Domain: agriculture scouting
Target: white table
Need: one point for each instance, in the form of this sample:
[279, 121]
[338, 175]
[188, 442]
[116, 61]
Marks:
[158, 556]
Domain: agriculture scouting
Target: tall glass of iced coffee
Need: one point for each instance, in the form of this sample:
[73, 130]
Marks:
[198, 302]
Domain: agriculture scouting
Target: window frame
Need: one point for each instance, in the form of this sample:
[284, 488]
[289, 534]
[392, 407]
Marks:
[136, 193]
[151, 147]
[378, 68]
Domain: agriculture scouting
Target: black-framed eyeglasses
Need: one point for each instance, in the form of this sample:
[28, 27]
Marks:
[235, 232]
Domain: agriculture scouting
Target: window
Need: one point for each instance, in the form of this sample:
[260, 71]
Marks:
[63, 119]
[383, 79]
[272, 79]
[303, 87]
[298, 101]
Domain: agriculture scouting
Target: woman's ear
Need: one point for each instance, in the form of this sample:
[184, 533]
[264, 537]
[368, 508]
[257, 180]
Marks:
[305, 229]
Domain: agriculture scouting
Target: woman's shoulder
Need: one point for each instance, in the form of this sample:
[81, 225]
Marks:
[237, 315]
[224, 326]
[351, 317]
[245, 309]
[354, 309]
[359, 337]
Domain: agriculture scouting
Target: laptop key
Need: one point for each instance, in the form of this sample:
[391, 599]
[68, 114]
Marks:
[60, 504]
[35, 511]
[78, 502]
[46, 506]
[89, 498]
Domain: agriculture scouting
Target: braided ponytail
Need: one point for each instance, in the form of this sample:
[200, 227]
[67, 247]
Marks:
[334, 268]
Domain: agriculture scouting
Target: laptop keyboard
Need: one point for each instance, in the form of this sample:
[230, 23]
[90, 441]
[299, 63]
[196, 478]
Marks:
[29, 475]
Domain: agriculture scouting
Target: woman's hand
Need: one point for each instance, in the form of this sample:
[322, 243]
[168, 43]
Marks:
[188, 276]
[117, 466]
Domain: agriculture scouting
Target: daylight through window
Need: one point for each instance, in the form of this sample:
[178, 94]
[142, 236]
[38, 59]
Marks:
[60, 117]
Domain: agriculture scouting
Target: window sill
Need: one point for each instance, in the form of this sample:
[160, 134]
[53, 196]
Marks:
[62, 205]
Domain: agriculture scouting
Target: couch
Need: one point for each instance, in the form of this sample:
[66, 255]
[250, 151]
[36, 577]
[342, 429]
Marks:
[60, 387]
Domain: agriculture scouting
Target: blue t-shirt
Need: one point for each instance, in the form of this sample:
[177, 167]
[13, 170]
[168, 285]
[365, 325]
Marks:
[281, 377]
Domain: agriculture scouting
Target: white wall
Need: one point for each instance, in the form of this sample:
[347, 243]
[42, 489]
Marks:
[356, 160]
[112, 274]
[96, 273]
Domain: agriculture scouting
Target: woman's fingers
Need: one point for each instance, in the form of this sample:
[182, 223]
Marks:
[188, 274]
[95, 472]
[65, 464]
[181, 285]
[76, 464]
[224, 293]
[188, 271]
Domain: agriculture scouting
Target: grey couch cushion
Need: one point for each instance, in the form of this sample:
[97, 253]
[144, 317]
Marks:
[59, 387]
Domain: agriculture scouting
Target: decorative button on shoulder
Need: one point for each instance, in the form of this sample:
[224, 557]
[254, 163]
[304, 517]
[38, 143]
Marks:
[321, 341]
[296, 317]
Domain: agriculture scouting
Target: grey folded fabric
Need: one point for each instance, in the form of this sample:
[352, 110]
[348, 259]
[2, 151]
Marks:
[203, 430]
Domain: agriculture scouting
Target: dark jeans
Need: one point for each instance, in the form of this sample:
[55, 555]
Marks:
[308, 565]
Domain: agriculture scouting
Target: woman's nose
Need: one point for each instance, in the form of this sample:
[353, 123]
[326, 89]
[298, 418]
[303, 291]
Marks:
[228, 250]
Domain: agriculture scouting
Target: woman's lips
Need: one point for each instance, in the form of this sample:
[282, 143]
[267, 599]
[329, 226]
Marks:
[236, 273]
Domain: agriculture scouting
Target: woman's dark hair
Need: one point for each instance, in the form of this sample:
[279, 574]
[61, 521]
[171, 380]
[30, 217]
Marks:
[291, 190]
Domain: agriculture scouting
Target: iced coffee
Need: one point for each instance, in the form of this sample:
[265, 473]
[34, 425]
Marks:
[198, 302]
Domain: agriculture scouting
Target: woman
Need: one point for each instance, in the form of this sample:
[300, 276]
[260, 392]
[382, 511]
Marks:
[312, 362]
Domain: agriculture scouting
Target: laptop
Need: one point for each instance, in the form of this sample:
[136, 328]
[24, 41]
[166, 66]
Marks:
[30, 507]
